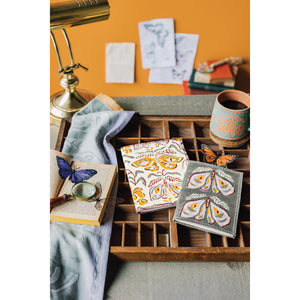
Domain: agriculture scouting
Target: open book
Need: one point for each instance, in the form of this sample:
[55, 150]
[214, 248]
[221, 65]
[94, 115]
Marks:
[80, 211]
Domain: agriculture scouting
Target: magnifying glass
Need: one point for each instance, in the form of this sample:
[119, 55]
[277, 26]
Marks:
[84, 191]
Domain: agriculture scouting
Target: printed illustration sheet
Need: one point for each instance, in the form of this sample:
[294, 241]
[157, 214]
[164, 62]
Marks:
[157, 43]
[185, 48]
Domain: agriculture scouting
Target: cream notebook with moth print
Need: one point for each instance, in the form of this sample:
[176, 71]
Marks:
[155, 171]
[209, 199]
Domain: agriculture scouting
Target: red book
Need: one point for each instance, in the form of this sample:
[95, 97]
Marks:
[189, 91]
[221, 75]
[185, 87]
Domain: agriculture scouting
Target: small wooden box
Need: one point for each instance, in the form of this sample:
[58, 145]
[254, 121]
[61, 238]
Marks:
[154, 236]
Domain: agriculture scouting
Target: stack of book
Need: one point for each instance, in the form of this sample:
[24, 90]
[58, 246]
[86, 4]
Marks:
[221, 78]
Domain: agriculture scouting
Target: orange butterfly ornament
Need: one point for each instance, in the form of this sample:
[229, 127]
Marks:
[220, 160]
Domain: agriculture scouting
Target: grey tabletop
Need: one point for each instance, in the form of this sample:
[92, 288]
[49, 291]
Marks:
[195, 105]
[176, 280]
[173, 280]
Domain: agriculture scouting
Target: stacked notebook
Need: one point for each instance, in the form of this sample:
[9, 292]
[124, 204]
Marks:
[209, 199]
[155, 171]
[221, 75]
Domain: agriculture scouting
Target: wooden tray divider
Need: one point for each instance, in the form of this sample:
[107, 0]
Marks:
[241, 238]
[139, 132]
[208, 239]
[173, 229]
[154, 236]
[62, 134]
[246, 223]
[123, 235]
[222, 150]
[139, 231]
[195, 141]
[225, 242]
[166, 130]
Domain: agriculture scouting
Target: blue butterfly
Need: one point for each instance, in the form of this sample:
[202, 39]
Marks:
[66, 170]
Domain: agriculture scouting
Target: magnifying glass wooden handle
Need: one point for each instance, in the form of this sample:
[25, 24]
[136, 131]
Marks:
[58, 200]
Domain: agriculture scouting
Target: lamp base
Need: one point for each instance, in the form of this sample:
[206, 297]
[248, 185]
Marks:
[65, 104]
[228, 143]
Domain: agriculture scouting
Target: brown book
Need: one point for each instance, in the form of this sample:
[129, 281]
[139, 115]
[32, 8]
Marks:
[74, 210]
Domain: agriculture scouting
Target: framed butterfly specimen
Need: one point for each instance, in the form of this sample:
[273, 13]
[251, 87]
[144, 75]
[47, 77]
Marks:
[209, 179]
[213, 158]
[200, 208]
[65, 170]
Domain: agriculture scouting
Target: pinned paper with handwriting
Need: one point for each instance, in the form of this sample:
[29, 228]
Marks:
[185, 48]
[157, 43]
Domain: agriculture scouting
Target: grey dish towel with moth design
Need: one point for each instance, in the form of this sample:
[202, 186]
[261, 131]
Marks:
[209, 199]
[79, 253]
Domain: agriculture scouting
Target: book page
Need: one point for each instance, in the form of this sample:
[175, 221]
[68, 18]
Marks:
[79, 209]
[55, 180]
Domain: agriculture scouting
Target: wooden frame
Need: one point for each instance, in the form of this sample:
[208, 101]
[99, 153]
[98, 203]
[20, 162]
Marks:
[154, 236]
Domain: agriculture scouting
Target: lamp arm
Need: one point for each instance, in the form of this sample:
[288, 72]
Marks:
[73, 66]
[69, 46]
[56, 51]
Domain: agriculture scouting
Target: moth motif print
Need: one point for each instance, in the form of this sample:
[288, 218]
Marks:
[168, 162]
[138, 195]
[209, 179]
[154, 172]
[160, 32]
[165, 189]
[210, 199]
[176, 74]
[200, 208]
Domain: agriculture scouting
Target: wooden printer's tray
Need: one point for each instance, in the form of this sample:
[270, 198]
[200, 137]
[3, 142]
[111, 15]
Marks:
[154, 236]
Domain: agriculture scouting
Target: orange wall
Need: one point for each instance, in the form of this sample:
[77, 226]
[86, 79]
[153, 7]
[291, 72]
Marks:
[223, 27]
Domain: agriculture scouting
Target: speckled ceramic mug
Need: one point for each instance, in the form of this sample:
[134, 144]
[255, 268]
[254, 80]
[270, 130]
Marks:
[230, 119]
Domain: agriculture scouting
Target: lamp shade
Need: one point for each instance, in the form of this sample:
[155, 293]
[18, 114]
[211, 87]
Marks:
[77, 12]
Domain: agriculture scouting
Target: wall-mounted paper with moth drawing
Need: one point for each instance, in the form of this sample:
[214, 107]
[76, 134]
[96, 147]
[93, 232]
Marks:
[119, 62]
[185, 48]
[157, 43]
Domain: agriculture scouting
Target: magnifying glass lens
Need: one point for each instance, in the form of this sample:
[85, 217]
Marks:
[83, 190]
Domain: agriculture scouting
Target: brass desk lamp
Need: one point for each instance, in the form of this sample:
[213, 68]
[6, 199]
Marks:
[62, 15]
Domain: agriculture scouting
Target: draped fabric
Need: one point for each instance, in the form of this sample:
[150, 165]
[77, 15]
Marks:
[79, 253]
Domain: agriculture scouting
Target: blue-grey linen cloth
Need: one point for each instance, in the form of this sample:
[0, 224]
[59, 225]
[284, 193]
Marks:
[79, 253]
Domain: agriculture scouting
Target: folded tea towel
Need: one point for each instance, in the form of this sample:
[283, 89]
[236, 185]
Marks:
[79, 253]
